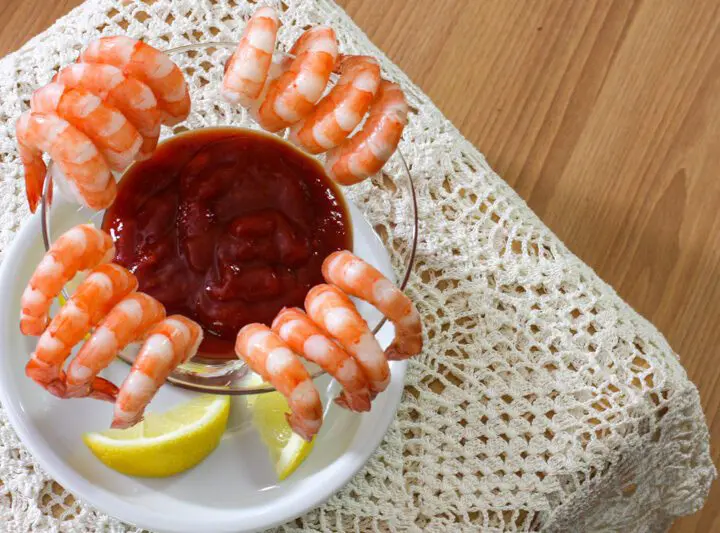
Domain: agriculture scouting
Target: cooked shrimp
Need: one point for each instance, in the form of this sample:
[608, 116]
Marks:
[306, 339]
[339, 113]
[76, 155]
[293, 94]
[367, 151]
[169, 343]
[131, 97]
[248, 67]
[127, 322]
[105, 286]
[80, 248]
[267, 355]
[357, 278]
[149, 65]
[332, 310]
[114, 136]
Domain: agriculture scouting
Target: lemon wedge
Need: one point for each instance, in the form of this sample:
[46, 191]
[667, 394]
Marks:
[166, 443]
[287, 450]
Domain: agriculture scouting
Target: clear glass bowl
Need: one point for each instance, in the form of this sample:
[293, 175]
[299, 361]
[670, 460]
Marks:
[383, 210]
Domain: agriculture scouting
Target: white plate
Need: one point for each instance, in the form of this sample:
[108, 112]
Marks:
[235, 489]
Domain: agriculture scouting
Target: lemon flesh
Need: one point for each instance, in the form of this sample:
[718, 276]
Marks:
[164, 444]
[287, 450]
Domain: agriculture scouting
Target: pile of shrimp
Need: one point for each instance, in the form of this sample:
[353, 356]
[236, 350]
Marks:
[99, 115]
[288, 95]
[109, 313]
[108, 308]
[332, 334]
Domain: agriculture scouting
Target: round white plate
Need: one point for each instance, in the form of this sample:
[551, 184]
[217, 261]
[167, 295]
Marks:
[235, 489]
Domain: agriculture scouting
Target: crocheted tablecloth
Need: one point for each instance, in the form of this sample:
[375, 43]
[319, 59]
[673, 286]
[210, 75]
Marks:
[542, 401]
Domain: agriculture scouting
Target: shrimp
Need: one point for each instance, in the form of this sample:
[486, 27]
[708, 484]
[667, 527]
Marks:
[305, 338]
[248, 67]
[127, 322]
[357, 278]
[76, 155]
[293, 94]
[332, 310]
[106, 285]
[131, 97]
[169, 343]
[339, 113]
[80, 248]
[149, 65]
[267, 355]
[115, 137]
[367, 151]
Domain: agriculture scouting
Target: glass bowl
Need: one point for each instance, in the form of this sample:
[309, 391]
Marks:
[383, 211]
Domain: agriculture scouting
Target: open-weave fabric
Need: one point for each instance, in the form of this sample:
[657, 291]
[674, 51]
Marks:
[541, 401]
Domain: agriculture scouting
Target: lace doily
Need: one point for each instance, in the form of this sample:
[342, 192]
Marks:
[541, 401]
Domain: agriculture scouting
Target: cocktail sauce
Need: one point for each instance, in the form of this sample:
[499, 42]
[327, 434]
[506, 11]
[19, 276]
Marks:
[227, 226]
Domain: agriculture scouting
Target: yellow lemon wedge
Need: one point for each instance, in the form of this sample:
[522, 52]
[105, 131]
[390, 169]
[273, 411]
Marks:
[166, 443]
[287, 450]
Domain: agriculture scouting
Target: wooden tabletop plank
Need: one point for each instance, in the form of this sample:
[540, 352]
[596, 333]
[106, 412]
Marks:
[602, 114]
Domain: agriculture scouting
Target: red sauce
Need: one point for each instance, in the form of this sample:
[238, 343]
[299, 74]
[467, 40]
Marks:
[227, 226]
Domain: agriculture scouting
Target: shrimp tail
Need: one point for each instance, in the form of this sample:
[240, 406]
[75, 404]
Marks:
[34, 182]
[45, 376]
[394, 352]
[32, 161]
[359, 402]
[103, 389]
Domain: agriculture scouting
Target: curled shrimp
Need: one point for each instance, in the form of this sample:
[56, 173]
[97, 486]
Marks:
[131, 97]
[248, 67]
[367, 151]
[357, 278]
[127, 322]
[292, 96]
[104, 287]
[80, 248]
[76, 155]
[339, 113]
[332, 310]
[115, 137]
[268, 355]
[139, 60]
[169, 343]
[307, 339]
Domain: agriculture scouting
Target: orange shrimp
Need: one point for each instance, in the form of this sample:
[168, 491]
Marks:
[367, 151]
[169, 343]
[332, 310]
[267, 355]
[127, 322]
[339, 113]
[80, 248]
[306, 339]
[106, 285]
[131, 97]
[292, 96]
[248, 67]
[76, 155]
[149, 65]
[357, 278]
[114, 136]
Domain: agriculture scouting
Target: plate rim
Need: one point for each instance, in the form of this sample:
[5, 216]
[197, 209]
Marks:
[296, 502]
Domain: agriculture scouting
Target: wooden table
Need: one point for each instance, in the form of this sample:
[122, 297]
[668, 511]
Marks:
[604, 116]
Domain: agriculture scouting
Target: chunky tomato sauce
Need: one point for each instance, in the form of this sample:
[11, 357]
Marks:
[227, 226]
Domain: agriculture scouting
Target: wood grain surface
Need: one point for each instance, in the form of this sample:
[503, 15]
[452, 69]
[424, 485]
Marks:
[604, 116]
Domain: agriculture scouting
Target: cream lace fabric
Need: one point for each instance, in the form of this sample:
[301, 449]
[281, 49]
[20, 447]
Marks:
[541, 401]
